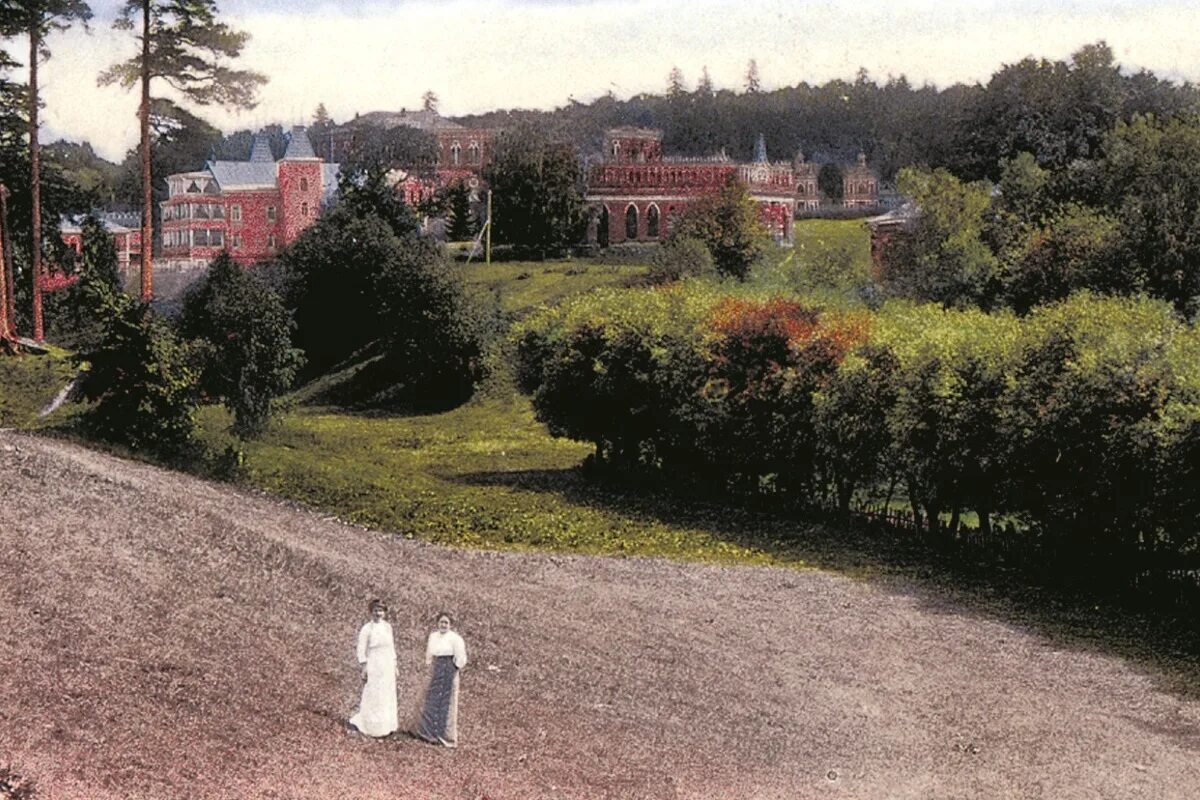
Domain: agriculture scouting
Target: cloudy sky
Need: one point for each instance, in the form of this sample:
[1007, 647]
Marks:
[365, 55]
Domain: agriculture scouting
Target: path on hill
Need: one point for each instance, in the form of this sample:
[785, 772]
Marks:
[165, 637]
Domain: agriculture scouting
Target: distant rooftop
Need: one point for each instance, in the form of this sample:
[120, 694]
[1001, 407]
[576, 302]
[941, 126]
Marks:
[424, 120]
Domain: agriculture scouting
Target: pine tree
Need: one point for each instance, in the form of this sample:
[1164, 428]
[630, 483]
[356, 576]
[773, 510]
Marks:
[184, 45]
[37, 19]
[675, 87]
[429, 101]
[752, 83]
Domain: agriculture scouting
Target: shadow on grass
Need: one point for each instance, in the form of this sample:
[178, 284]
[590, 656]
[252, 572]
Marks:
[1162, 642]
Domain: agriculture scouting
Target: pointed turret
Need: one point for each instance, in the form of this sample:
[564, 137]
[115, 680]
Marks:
[760, 149]
[260, 151]
[298, 146]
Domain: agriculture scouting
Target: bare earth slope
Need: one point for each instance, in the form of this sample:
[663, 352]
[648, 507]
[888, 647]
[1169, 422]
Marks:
[164, 637]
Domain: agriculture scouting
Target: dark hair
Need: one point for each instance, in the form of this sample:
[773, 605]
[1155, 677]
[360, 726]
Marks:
[437, 617]
[376, 603]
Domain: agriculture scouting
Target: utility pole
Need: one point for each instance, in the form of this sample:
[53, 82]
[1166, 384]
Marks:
[488, 229]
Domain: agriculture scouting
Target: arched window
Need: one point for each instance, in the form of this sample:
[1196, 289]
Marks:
[473, 152]
[652, 222]
[616, 149]
[304, 209]
[631, 222]
[455, 154]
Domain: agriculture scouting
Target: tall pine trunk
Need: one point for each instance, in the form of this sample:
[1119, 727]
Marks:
[35, 156]
[147, 186]
[6, 332]
[9, 298]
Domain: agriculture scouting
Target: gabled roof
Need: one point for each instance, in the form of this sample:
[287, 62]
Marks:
[235, 175]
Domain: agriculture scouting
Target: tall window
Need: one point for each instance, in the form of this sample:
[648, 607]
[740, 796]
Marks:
[473, 152]
[237, 241]
[235, 213]
[631, 222]
[652, 222]
[304, 184]
[270, 213]
[271, 241]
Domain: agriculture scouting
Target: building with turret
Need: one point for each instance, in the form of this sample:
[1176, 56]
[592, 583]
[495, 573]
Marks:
[636, 193]
[251, 208]
[808, 192]
[860, 186]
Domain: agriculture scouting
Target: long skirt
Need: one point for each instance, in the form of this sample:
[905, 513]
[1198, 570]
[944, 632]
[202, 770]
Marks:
[437, 715]
[377, 714]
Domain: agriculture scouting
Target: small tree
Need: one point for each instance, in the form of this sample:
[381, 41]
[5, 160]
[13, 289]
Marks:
[727, 224]
[79, 310]
[142, 391]
[679, 258]
[753, 85]
[247, 358]
[945, 260]
[537, 192]
[462, 221]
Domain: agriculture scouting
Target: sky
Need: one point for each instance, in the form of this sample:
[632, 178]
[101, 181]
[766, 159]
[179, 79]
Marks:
[479, 55]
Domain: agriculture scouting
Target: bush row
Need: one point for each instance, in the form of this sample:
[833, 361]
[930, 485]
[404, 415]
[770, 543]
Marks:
[1079, 422]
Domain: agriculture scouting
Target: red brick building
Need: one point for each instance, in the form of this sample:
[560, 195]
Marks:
[808, 193]
[860, 186]
[636, 192]
[125, 229]
[462, 152]
[251, 208]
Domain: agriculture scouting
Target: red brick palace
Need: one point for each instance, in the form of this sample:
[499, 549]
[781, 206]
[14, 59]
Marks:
[251, 208]
[124, 227]
[636, 192]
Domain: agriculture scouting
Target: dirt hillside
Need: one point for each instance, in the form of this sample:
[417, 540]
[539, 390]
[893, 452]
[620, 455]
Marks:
[164, 637]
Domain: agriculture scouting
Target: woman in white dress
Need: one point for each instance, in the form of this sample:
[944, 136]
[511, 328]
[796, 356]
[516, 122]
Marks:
[377, 715]
[445, 654]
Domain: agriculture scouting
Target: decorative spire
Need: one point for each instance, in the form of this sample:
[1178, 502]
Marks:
[760, 149]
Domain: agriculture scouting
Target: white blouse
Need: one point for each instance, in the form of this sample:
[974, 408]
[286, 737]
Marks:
[446, 644]
[374, 636]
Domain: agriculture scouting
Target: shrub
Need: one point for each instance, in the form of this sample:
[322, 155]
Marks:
[246, 356]
[679, 258]
[727, 224]
[139, 384]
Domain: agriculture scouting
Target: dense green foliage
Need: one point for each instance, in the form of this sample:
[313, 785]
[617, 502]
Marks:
[1067, 421]
[140, 385]
[362, 277]
[28, 384]
[681, 257]
[727, 224]
[537, 193]
[76, 314]
[244, 347]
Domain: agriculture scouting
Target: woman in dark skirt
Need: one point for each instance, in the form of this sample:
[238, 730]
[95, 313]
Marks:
[437, 714]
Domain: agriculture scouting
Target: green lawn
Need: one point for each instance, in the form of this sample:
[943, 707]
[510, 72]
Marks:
[28, 383]
[826, 254]
[521, 286]
[485, 474]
